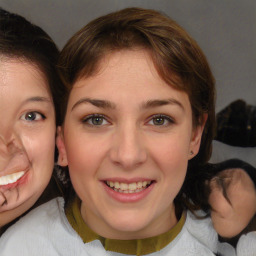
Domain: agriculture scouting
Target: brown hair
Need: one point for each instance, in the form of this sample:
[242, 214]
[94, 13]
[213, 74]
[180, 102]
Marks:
[177, 58]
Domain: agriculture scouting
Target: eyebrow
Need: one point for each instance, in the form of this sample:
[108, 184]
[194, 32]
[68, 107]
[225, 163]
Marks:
[97, 103]
[105, 104]
[159, 103]
[38, 99]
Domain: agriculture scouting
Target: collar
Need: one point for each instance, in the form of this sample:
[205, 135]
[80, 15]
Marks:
[132, 247]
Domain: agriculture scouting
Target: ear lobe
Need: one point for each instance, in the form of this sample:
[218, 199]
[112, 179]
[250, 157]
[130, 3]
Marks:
[62, 158]
[196, 138]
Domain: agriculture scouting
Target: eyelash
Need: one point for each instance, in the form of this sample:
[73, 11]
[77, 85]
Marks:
[35, 113]
[163, 117]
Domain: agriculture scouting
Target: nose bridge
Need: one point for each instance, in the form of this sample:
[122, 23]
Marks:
[128, 148]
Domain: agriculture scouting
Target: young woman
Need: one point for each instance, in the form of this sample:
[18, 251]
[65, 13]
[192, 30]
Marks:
[139, 112]
[29, 94]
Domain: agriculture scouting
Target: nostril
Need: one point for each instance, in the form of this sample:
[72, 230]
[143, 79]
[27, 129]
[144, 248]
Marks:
[9, 150]
[5, 144]
[10, 140]
[5, 139]
[4, 150]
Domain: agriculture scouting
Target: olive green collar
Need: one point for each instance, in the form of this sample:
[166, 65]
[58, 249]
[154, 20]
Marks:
[132, 247]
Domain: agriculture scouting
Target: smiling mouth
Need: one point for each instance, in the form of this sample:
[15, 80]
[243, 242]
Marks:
[130, 188]
[11, 178]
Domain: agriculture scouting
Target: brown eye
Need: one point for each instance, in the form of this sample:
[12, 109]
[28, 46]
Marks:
[160, 120]
[32, 116]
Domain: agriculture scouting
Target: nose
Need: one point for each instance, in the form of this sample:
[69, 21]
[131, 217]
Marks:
[127, 148]
[9, 147]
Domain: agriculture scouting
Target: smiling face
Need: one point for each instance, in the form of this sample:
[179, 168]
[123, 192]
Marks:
[27, 137]
[127, 139]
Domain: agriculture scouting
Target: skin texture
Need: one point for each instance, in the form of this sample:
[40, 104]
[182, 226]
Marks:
[129, 144]
[27, 135]
[231, 217]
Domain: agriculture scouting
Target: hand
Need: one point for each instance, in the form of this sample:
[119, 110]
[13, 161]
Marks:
[233, 201]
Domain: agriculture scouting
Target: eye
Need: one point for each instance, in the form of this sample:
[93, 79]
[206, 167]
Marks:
[32, 116]
[160, 120]
[95, 120]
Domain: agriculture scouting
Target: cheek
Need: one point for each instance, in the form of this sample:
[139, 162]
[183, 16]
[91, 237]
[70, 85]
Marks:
[171, 158]
[83, 160]
[83, 155]
[40, 147]
[171, 152]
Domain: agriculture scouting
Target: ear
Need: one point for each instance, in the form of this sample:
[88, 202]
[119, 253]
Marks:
[62, 158]
[196, 137]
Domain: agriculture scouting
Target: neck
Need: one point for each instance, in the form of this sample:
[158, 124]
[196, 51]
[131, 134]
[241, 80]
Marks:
[159, 225]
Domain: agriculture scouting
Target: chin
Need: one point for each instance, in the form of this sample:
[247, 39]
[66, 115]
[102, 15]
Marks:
[15, 209]
[20, 199]
[129, 228]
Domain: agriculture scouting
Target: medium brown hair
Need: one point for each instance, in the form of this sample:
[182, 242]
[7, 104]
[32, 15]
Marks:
[176, 56]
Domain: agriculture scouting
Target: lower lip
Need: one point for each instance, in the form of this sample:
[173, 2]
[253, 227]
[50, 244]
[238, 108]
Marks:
[17, 183]
[128, 197]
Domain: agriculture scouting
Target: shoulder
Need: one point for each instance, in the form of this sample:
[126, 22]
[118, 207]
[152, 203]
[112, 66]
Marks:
[188, 243]
[39, 216]
[247, 244]
[36, 231]
[201, 231]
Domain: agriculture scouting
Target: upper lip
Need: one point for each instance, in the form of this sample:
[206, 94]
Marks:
[8, 172]
[18, 163]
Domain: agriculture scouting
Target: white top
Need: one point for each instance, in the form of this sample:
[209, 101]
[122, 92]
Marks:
[46, 231]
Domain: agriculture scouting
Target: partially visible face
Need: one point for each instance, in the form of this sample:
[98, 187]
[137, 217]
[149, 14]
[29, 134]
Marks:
[230, 218]
[127, 139]
[27, 137]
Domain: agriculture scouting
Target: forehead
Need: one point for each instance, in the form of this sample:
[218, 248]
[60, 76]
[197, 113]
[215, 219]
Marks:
[125, 66]
[22, 74]
[126, 76]
[111, 59]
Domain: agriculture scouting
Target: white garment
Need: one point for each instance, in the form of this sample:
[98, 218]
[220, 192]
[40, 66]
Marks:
[247, 245]
[45, 231]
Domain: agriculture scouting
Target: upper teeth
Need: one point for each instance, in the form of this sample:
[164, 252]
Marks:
[128, 186]
[11, 178]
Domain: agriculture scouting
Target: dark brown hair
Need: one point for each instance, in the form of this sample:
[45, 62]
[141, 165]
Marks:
[20, 39]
